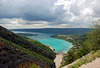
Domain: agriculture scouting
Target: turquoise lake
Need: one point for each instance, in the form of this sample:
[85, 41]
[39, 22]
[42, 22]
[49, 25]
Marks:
[57, 44]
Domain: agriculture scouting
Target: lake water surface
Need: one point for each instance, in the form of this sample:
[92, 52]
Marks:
[57, 44]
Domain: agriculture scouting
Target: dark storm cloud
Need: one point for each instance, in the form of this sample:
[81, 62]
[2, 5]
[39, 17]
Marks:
[41, 10]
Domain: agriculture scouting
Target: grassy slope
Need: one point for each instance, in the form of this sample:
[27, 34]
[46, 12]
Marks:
[86, 59]
[17, 43]
[34, 66]
[26, 50]
[10, 36]
[37, 43]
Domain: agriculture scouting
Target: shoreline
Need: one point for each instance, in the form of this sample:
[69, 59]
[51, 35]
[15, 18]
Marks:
[63, 39]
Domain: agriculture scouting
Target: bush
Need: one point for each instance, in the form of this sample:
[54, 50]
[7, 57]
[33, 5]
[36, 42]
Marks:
[34, 66]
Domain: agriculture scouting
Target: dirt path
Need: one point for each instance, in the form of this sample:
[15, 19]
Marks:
[93, 64]
[58, 60]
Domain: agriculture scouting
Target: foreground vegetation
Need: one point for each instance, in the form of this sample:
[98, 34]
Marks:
[85, 59]
[26, 50]
[34, 66]
[91, 44]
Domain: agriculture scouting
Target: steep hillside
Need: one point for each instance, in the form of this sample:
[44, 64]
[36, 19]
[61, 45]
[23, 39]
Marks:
[86, 61]
[18, 52]
[90, 44]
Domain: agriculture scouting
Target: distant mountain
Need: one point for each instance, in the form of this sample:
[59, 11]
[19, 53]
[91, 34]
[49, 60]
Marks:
[16, 52]
[57, 30]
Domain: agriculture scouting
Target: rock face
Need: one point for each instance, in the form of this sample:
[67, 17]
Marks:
[12, 58]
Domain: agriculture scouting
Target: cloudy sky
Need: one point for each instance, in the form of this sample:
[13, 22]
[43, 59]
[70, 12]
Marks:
[15, 14]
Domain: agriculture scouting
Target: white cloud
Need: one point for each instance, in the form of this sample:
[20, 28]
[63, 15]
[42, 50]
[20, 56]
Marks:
[48, 13]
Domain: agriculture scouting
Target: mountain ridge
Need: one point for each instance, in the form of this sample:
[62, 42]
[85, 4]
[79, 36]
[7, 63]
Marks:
[57, 30]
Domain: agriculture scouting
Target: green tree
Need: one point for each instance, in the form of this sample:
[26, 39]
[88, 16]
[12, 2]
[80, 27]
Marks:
[92, 43]
[94, 36]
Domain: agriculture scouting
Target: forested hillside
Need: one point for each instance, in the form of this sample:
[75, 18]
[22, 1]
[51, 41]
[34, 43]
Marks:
[75, 39]
[91, 44]
[16, 52]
